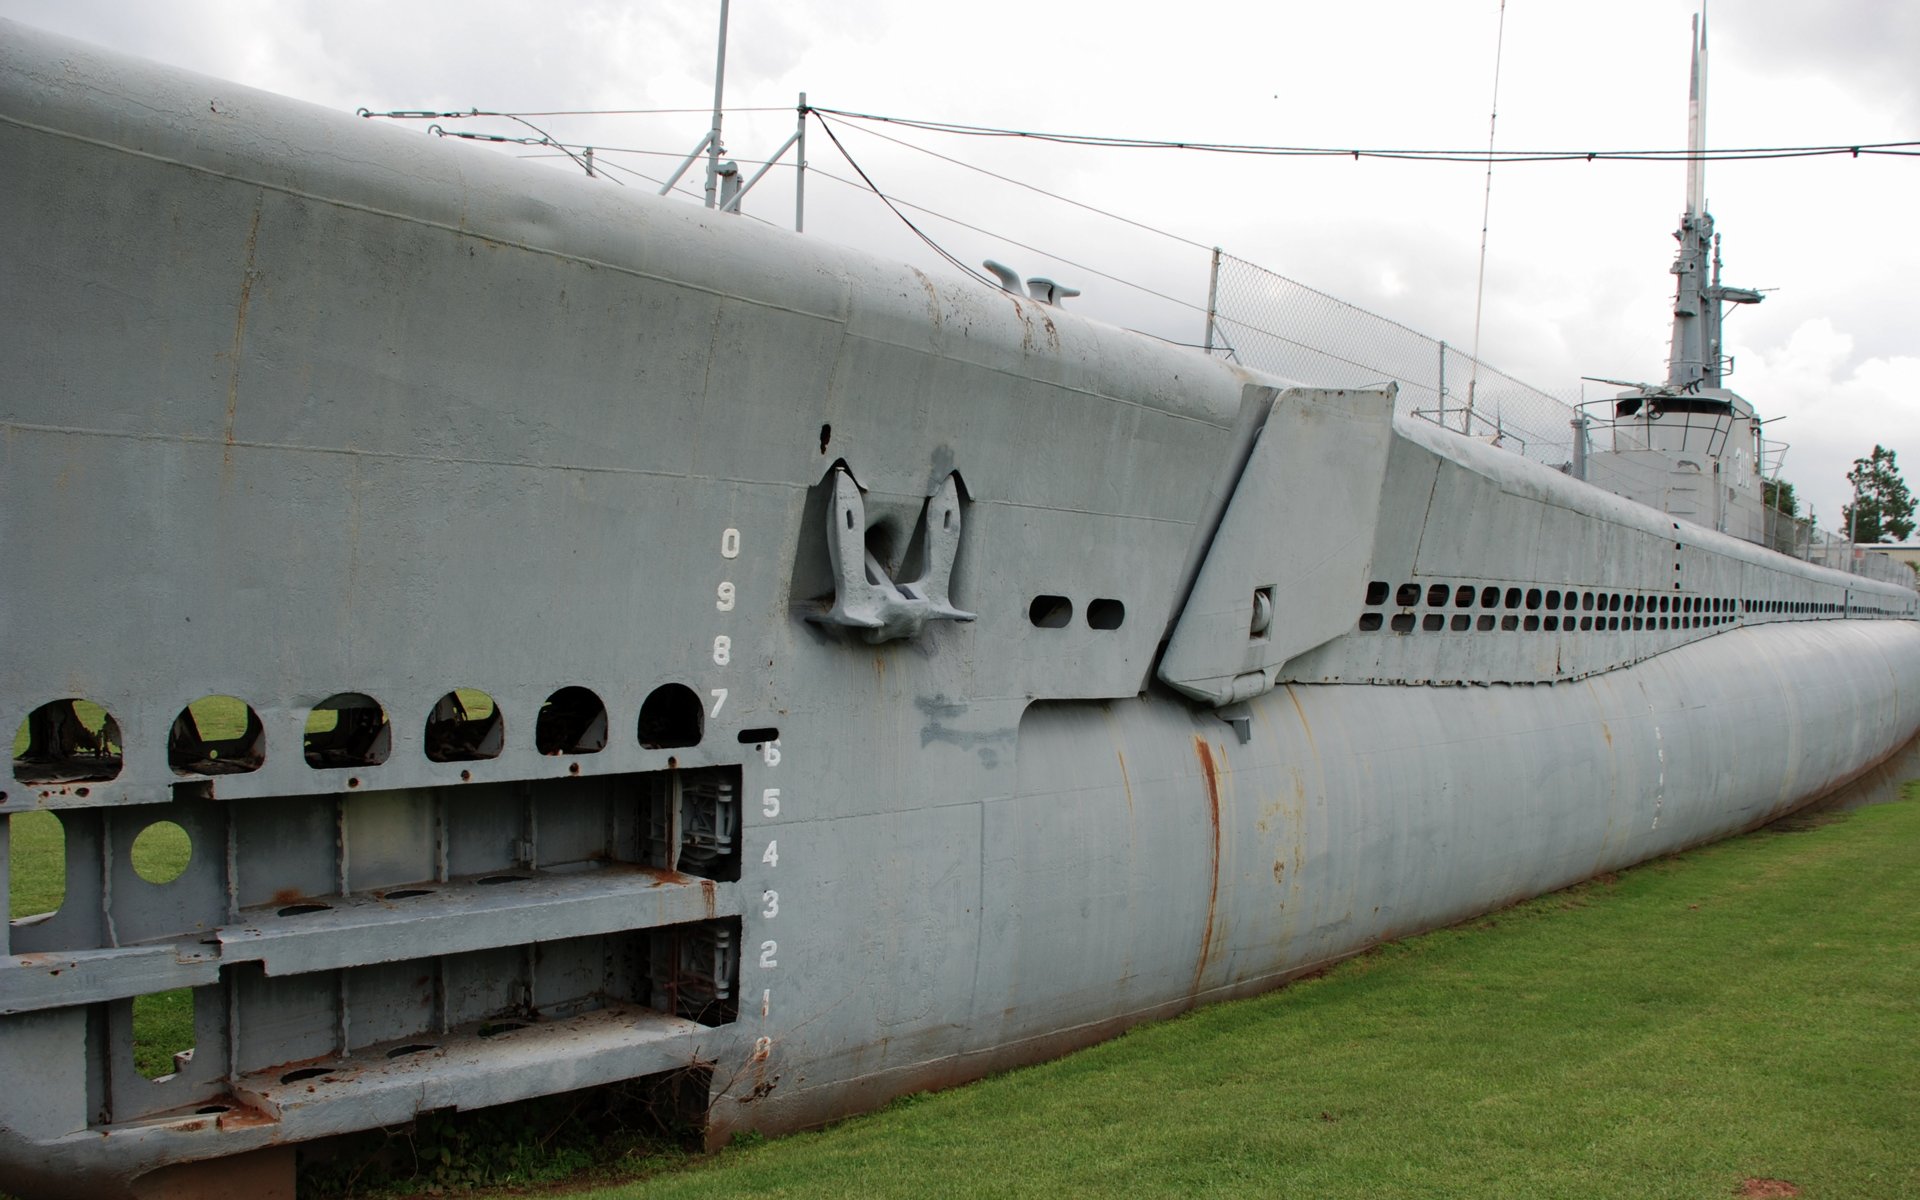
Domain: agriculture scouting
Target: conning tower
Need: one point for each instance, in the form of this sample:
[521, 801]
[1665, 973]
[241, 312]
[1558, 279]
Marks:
[1691, 447]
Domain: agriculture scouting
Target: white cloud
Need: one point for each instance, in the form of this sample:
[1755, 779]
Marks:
[1833, 407]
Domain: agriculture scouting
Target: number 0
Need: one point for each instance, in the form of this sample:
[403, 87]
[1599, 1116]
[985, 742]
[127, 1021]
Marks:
[730, 544]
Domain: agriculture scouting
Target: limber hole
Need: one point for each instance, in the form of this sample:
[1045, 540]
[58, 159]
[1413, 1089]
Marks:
[1106, 613]
[161, 852]
[672, 716]
[464, 726]
[489, 880]
[348, 729]
[1050, 612]
[572, 721]
[496, 1028]
[411, 1048]
[300, 910]
[406, 893]
[216, 735]
[36, 863]
[305, 1073]
[755, 737]
[162, 1031]
[67, 741]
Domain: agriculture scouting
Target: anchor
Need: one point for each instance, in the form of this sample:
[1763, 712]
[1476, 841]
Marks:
[865, 596]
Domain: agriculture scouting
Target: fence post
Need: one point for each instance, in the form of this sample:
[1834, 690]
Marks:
[1213, 297]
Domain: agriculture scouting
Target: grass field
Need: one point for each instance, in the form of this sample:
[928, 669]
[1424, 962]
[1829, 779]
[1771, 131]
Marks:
[1743, 1013]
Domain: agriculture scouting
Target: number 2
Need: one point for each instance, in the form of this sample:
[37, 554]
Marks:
[767, 951]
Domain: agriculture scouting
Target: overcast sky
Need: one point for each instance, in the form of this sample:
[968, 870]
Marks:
[1576, 276]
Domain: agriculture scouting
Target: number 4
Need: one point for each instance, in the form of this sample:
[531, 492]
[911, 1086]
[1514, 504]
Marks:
[772, 855]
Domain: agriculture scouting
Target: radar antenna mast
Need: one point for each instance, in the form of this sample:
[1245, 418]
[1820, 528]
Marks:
[1696, 359]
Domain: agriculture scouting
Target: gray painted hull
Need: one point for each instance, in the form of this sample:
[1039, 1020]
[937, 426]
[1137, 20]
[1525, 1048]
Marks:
[298, 408]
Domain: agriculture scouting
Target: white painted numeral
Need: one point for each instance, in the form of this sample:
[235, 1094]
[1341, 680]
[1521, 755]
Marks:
[771, 752]
[770, 802]
[719, 700]
[767, 951]
[771, 856]
[771, 901]
[730, 543]
[725, 593]
[722, 650]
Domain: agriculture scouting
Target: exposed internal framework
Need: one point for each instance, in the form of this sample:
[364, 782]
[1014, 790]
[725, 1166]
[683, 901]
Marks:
[543, 613]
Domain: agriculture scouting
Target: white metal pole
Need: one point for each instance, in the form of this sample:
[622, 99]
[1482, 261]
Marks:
[719, 94]
[800, 170]
[1213, 297]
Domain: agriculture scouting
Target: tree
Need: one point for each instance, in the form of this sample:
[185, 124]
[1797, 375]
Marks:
[1884, 508]
[1777, 496]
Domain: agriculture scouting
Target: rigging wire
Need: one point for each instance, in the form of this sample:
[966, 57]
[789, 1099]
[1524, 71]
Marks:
[1486, 212]
[416, 114]
[1900, 149]
[884, 199]
[1477, 157]
[1138, 287]
[1033, 188]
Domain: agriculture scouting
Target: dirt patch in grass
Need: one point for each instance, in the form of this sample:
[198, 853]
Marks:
[1765, 1187]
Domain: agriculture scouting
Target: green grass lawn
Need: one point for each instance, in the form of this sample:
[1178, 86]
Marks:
[1748, 1011]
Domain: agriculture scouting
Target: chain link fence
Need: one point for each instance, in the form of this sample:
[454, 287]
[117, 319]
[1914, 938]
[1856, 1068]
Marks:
[1281, 326]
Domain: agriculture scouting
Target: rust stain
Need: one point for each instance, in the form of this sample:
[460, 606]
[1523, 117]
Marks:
[1125, 783]
[240, 336]
[1210, 772]
[1606, 733]
[707, 895]
[1304, 726]
[287, 895]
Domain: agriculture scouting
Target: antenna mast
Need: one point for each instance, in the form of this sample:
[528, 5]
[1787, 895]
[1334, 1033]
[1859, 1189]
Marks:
[1696, 358]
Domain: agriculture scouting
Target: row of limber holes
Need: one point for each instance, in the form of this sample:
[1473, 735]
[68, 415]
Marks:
[1552, 599]
[1438, 595]
[74, 741]
[1462, 622]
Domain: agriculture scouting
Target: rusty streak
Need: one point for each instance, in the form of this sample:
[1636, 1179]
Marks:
[239, 337]
[1211, 774]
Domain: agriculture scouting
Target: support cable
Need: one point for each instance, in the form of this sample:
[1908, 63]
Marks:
[1486, 212]
[1909, 148]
